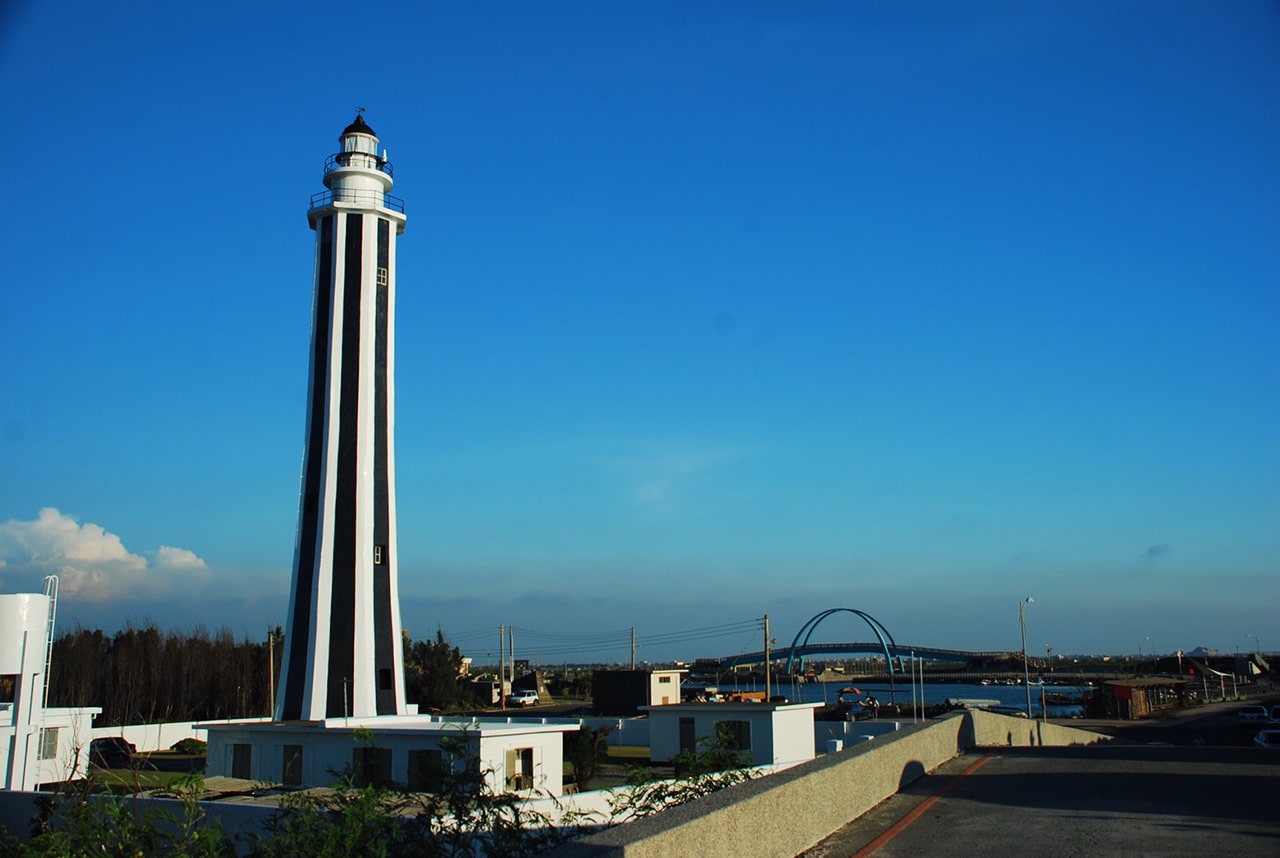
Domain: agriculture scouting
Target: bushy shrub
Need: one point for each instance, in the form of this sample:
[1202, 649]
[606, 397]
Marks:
[191, 747]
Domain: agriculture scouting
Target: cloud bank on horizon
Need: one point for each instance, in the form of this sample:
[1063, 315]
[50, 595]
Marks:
[92, 563]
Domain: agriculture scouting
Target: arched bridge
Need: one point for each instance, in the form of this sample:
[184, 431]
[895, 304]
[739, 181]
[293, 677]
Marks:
[898, 651]
[801, 647]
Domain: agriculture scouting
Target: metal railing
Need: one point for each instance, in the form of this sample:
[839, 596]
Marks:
[338, 160]
[359, 196]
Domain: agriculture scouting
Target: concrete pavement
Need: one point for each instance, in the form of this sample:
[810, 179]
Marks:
[1126, 797]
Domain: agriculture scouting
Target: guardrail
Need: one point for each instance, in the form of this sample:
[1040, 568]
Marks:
[359, 196]
[338, 160]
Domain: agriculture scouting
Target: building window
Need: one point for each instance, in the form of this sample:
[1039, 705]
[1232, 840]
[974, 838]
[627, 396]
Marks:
[738, 734]
[426, 770]
[382, 276]
[242, 761]
[371, 767]
[379, 555]
[48, 743]
[664, 680]
[520, 769]
[291, 773]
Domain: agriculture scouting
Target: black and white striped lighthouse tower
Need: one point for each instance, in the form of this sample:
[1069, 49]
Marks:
[342, 650]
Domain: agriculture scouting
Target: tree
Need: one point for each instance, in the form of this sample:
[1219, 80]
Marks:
[432, 669]
[584, 750]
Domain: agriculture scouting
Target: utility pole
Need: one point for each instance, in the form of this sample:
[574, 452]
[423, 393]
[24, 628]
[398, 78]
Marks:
[502, 666]
[1026, 671]
[766, 658]
[633, 647]
[271, 666]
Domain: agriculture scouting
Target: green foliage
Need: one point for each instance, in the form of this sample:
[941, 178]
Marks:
[718, 753]
[715, 765]
[345, 821]
[190, 747]
[78, 823]
[585, 750]
[143, 674]
[431, 674]
[462, 818]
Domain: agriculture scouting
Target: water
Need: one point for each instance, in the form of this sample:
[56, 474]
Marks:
[936, 693]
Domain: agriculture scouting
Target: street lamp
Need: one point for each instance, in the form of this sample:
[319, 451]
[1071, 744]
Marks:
[1257, 647]
[1155, 659]
[1026, 671]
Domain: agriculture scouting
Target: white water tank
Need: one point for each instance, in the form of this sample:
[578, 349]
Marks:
[24, 626]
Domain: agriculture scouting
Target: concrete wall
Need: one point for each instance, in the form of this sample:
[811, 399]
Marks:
[815, 798]
[989, 730]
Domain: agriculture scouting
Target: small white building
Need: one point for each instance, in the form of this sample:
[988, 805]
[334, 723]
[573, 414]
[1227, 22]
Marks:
[409, 750]
[626, 692]
[37, 745]
[771, 733]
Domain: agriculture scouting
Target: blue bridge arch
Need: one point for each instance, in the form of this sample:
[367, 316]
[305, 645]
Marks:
[887, 643]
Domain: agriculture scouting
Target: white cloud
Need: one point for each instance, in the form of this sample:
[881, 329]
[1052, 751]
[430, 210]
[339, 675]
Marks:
[92, 563]
[169, 557]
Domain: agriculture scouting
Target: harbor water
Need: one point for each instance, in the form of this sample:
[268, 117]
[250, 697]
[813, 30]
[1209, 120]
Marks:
[935, 694]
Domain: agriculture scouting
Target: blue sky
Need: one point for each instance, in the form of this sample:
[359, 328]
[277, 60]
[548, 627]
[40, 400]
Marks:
[705, 311]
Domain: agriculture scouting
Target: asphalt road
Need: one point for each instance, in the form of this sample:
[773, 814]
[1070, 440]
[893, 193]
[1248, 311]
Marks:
[1119, 798]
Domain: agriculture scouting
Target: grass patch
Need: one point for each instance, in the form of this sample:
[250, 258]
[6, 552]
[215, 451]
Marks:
[627, 753]
[132, 780]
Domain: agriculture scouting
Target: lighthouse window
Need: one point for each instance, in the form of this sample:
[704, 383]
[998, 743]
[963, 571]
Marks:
[382, 276]
[379, 555]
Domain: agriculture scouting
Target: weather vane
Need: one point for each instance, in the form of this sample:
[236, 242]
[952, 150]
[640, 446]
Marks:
[360, 111]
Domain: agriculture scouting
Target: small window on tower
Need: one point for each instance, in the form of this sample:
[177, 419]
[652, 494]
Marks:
[379, 555]
[382, 276]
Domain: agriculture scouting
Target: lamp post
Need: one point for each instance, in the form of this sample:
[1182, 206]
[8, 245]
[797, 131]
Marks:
[1155, 659]
[1026, 671]
[1257, 647]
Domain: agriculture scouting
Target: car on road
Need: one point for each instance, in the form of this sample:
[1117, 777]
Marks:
[111, 752]
[1254, 714]
[1268, 739]
[523, 697]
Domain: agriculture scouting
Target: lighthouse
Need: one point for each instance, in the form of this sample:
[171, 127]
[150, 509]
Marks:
[343, 652]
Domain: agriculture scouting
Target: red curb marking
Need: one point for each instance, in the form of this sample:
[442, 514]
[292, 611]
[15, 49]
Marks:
[918, 811]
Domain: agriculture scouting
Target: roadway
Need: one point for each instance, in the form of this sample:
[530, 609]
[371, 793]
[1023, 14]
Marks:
[1121, 798]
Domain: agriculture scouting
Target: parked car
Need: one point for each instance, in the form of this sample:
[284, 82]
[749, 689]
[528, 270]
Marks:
[1268, 738]
[111, 752]
[1254, 714]
[523, 697]
[1275, 715]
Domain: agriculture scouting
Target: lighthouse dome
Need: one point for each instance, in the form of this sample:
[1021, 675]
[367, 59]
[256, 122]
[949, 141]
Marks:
[358, 127]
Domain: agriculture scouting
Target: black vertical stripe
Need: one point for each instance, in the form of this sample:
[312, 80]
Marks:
[299, 642]
[342, 620]
[385, 636]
